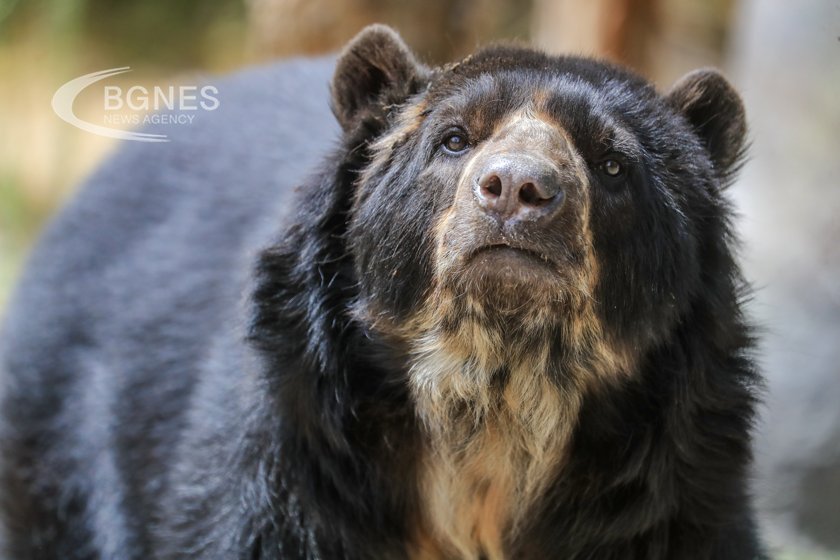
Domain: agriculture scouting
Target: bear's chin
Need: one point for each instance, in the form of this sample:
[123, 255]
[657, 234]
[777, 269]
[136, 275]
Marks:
[511, 298]
[511, 265]
[501, 280]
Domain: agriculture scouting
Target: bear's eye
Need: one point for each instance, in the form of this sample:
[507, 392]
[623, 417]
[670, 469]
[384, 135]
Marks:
[455, 142]
[612, 167]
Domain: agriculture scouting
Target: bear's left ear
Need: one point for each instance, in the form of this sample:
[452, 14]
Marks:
[376, 69]
[715, 111]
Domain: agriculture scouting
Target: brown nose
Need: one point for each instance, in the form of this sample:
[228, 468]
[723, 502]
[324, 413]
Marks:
[518, 188]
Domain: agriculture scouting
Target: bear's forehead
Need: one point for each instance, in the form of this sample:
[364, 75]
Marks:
[482, 97]
[506, 91]
[520, 69]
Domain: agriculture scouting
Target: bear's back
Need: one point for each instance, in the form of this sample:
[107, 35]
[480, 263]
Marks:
[138, 282]
[158, 219]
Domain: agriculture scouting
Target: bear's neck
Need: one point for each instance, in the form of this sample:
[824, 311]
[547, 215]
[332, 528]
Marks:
[495, 432]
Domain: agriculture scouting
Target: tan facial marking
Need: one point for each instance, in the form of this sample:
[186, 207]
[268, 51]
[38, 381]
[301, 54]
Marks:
[491, 450]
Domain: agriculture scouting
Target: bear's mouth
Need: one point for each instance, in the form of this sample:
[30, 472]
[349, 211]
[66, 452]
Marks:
[509, 258]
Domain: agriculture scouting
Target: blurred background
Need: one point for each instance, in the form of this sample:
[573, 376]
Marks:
[783, 56]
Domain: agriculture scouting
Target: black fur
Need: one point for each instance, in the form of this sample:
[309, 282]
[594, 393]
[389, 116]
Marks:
[161, 400]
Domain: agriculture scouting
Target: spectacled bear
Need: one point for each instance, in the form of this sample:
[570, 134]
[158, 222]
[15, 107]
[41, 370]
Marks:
[488, 310]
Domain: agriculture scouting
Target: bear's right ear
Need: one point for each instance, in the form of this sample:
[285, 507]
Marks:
[376, 69]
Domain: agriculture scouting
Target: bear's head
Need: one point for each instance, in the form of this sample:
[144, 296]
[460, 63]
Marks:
[518, 204]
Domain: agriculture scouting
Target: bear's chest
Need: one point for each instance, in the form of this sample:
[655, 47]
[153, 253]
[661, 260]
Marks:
[490, 453]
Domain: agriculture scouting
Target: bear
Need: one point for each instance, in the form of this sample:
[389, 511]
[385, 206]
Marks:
[488, 310]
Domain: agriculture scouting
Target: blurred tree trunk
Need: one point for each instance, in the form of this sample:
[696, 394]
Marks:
[438, 30]
[621, 30]
[662, 40]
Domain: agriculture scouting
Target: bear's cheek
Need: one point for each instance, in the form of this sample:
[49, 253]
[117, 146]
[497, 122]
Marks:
[647, 270]
[391, 233]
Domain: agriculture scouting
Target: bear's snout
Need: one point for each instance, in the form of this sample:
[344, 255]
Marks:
[524, 189]
[518, 187]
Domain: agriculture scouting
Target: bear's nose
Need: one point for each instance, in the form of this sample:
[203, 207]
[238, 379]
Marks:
[519, 188]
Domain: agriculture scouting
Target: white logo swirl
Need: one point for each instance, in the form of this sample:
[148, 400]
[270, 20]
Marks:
[62, 104]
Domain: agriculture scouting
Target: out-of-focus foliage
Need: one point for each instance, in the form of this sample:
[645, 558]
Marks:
[182, 34]
[44, 43]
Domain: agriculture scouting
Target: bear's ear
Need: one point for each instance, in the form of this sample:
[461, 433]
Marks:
[376, 69]
[715, 111]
